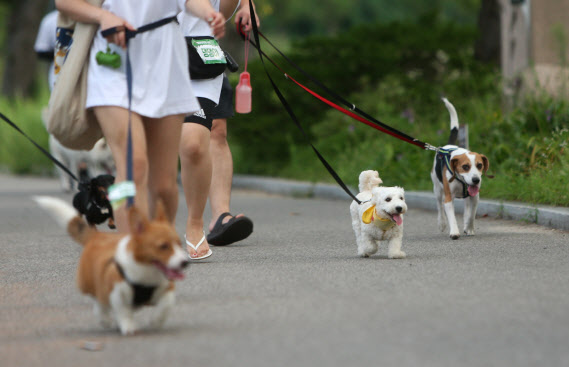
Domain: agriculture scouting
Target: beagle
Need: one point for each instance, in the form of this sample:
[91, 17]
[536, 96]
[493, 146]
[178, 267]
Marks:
[123, 272]
[457, 173]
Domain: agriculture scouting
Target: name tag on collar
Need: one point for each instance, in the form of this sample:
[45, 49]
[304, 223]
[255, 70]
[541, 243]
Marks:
[209, 51]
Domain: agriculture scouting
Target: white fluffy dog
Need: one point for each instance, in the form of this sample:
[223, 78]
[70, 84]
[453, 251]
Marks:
[84, 164]
[379, 217]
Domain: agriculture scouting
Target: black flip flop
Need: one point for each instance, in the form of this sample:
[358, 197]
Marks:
[236, 229]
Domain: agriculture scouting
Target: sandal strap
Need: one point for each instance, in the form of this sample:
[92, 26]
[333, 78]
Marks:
[198, 245]
[219, 221]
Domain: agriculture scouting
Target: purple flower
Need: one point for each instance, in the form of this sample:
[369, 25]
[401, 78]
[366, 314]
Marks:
[548, 115]
[408, 114]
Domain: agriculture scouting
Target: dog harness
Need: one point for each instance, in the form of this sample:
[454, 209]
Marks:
[142, 294]
[443, 157]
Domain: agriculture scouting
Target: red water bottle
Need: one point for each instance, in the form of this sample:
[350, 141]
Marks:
[243, 94]
[243, 91]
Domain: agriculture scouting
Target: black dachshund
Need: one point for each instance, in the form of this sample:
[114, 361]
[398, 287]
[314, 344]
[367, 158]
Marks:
[92, 200]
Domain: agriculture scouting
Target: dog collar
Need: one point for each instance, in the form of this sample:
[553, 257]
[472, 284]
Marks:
[142, 294]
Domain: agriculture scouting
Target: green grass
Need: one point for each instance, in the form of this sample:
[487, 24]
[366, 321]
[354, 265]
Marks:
[17, 154]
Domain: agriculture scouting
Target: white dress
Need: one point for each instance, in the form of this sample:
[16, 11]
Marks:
[159, 59]
[193, 26]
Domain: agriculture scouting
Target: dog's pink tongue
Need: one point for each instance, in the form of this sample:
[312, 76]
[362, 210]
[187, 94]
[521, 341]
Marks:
[397, 218]
[473, 190]
[170, 274]
[174, 275]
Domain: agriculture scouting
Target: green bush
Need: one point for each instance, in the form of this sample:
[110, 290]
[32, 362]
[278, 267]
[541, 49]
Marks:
[17, 154]
[404, 76]
[411, 67]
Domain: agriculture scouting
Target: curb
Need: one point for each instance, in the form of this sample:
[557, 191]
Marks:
[547, 216]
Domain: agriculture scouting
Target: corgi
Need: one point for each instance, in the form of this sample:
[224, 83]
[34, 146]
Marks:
[123, 272]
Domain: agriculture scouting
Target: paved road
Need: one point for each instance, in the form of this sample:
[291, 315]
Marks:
[295, 294]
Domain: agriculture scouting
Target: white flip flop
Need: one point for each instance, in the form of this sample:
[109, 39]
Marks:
[208, 254]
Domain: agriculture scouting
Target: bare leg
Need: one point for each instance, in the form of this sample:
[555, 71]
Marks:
[222, 172]
[114, 124]
[196, 179]
[163, 137]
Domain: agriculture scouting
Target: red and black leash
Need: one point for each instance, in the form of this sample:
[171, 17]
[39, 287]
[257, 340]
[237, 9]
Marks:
[357, 113]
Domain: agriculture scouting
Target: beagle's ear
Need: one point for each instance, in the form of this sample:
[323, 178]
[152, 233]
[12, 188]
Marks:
[453, 164]
[367, 216]
[485, 162]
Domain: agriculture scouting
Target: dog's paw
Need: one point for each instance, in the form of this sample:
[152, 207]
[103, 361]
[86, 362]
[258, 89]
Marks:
[128, 327]
[397, 255]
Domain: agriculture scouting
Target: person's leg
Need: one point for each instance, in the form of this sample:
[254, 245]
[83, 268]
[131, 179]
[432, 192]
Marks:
[114, 124]
[163, 138]
[196, 178]
[222, 172]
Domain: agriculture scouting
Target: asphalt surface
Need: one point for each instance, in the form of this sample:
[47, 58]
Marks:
[296, 294]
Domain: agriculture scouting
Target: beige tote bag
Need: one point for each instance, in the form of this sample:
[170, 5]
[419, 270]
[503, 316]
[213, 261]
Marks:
[68, 120]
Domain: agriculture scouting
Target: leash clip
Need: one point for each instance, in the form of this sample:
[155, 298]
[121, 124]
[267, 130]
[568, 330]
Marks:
[432, 147]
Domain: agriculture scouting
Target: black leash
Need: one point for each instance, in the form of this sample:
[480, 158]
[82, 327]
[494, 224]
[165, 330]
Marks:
[291, 113]
[47, 154]
[361, 116]
[88, 201]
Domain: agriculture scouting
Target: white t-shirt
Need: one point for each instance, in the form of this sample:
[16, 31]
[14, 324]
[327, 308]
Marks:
[193, 26]
[159, 59]
[45, 41]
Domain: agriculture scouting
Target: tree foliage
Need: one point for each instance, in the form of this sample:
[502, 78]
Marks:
[301, 18]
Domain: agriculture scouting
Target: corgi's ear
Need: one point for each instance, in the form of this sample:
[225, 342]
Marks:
[137, 221]
[160, 212]
[367, 216]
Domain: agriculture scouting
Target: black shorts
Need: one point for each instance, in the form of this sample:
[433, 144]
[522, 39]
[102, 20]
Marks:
[210, 111]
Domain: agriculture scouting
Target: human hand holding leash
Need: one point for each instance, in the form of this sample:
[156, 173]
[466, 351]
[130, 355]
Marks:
[243, 17]
[109, 20]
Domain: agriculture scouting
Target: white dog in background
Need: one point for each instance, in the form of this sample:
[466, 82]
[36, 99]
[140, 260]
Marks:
[379, 217]
[84, 164]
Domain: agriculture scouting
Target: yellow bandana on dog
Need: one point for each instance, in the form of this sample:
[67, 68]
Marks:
[370, 215]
